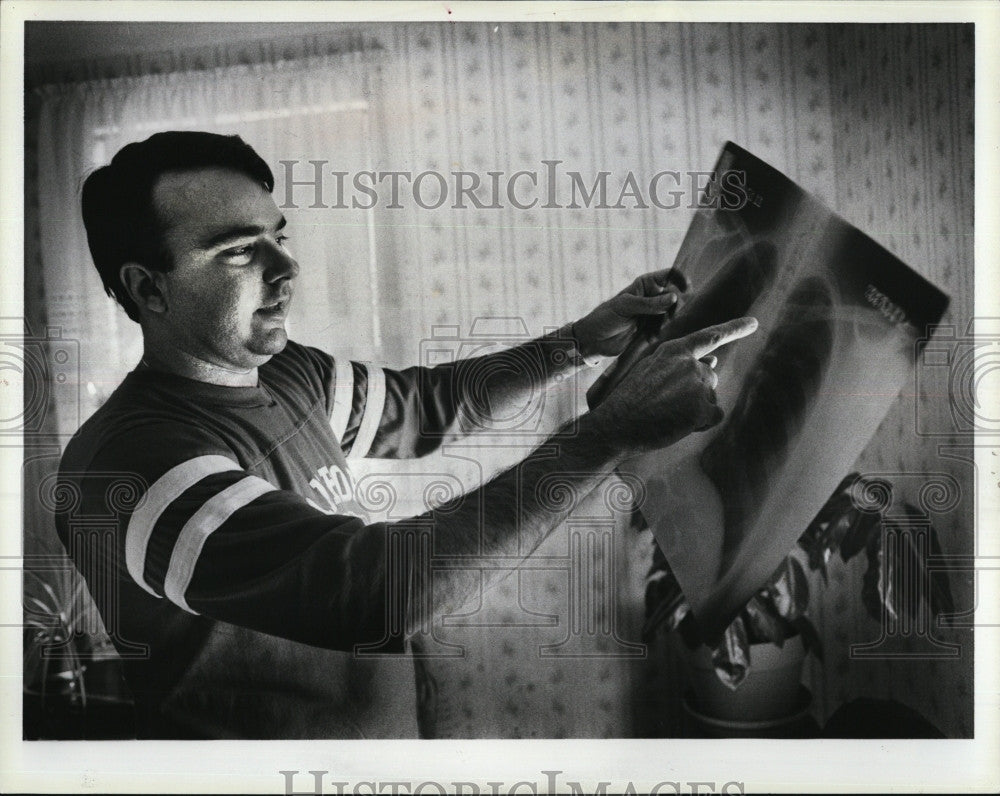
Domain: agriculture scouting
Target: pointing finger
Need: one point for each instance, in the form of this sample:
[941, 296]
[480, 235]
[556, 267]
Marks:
[705, 341]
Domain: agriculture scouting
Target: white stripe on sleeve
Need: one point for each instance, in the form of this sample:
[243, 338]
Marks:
[374, 404]
[343, 396]
[170, 486]
[203, 523]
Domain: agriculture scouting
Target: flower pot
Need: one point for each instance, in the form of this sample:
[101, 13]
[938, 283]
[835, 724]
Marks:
[770, 691]
[797, 724]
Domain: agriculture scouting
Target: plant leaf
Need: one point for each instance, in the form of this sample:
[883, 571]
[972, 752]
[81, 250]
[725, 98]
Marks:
[942, 601]
[810, 637]
[833, 527]
[940, 584]
[822, 571]
[816, 537]
[875, 594]
[815, 549]
[763, 624]
[731, 658]
[660, 588]
[665, 602]
[637, 520]
[928, 588]
[799, 587]
[790, 591]
[779, 593]
[50, 592]
[43, 609]
[659, 562]
[864, 525]
[839, 528]
[835, 503]
[689, 632]
[669, 614]
[907, 562]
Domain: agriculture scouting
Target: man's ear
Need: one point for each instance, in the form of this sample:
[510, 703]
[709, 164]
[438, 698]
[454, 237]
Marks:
[144, 286]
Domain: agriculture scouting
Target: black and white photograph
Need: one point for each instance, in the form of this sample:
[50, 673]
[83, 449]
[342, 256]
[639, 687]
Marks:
[499, 397]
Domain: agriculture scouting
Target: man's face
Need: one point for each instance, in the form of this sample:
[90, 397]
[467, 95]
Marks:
[228, 293]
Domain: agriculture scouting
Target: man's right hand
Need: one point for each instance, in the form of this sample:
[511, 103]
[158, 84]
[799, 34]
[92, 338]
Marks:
[671, 392]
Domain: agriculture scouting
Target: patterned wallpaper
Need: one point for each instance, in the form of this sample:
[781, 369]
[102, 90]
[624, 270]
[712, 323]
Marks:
[904, 152]
[875, 120]
[613, 97]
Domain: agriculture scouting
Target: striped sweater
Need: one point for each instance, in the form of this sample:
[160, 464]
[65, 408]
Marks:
[217, 529]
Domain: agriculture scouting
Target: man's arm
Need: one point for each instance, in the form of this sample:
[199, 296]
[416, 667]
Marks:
[665, 397]
[411, 412]
[200, 531]
[497, 385]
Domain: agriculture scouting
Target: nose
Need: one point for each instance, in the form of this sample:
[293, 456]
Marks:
[280, 264]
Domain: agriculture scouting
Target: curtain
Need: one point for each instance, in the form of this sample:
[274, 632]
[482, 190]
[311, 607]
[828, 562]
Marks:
[315, 108]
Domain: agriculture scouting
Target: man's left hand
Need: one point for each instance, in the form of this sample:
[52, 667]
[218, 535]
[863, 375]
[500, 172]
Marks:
[607, 330]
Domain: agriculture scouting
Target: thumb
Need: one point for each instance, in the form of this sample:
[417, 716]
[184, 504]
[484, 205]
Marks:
[713, 419]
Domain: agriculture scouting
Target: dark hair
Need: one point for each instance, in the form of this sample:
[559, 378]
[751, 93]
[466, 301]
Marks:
[117, 199]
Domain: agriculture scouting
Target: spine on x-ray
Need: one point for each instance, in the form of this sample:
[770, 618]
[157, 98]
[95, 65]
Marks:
[753, 443]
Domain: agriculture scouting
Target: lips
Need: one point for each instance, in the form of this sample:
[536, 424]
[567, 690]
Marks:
[277, 307]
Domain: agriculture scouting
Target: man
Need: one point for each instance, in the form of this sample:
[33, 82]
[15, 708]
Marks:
[245, 590]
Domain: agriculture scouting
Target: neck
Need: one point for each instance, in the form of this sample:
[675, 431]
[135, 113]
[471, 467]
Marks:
[181, 363]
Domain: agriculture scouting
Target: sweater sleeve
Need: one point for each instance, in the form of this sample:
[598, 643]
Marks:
[385, 413]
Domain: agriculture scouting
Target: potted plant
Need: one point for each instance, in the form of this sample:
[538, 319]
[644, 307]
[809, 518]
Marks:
[72, 677]
[753, 675]
[53, 662]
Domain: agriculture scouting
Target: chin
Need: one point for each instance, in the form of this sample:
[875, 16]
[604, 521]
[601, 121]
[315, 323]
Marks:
[268, 343]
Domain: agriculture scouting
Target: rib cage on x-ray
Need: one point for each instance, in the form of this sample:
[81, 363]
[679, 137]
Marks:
[770, 409]
[744, 274]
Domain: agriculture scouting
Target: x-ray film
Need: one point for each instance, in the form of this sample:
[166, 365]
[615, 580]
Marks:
[841, 320]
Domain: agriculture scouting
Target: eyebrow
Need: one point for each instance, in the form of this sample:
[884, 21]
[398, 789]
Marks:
[236, 233]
